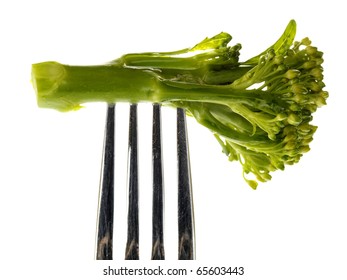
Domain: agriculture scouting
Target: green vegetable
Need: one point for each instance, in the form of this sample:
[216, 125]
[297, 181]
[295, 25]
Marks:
[260, 110]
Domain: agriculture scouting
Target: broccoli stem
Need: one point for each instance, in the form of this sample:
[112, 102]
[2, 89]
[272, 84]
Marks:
[64, 87]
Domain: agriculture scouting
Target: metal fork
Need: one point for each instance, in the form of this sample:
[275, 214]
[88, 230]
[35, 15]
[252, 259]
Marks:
[186, 233]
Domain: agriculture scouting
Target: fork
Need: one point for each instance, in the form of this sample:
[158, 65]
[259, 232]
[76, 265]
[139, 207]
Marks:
[186, 231]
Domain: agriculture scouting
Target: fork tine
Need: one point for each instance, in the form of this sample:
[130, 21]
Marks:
[158, 252]
[132, 246]
[186, 230]
[106, 191]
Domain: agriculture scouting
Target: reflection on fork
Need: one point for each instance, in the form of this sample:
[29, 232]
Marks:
[186, 235]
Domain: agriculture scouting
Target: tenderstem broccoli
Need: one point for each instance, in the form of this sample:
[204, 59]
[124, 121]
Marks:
[259, 110]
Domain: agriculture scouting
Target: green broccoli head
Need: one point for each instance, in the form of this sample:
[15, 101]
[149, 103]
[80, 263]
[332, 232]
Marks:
[268, 125]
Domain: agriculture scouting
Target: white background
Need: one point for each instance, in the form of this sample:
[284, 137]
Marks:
[293, 227]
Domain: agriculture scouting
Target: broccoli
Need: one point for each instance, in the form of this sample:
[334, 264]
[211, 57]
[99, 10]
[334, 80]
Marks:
[259, 110]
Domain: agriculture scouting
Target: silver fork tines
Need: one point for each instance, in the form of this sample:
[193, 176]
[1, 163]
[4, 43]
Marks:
[106, 191]
[132, 246]
[186, 231]
[158, 252]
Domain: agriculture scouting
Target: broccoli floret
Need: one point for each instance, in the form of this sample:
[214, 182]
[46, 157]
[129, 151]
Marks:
[259, 110]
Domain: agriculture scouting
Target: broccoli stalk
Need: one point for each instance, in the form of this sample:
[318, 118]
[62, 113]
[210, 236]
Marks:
[260, 110]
